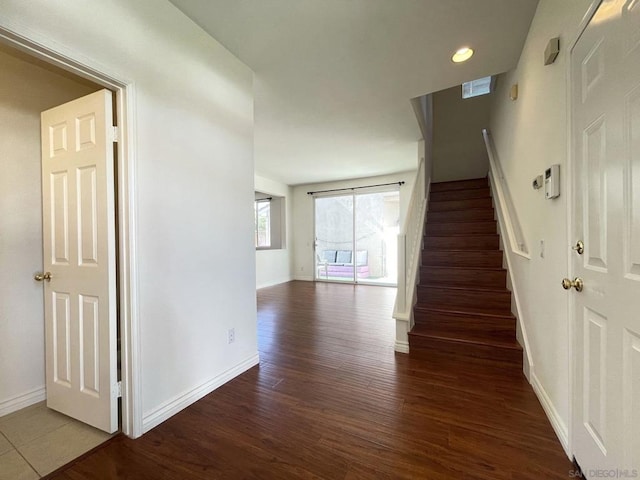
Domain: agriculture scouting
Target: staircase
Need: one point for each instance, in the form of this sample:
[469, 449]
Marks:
[464, 306]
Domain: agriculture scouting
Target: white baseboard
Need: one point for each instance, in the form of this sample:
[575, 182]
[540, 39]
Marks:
[271, 283]
[401, 347]
[557, 423]
[304, 278]
[169, 408]
[23, 400]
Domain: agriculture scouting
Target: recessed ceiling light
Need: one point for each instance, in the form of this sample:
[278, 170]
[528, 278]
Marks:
[462, 55]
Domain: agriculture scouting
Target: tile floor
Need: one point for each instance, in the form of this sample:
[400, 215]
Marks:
[35, 441]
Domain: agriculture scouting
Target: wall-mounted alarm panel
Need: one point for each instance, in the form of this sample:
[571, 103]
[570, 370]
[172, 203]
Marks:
[552, 181]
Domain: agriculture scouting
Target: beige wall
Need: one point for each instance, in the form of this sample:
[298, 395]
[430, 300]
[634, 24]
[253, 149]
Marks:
[530, 134]
[26, 89]
[458, 148]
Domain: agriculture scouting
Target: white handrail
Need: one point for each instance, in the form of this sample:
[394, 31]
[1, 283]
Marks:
[514, 234]
[409, 257]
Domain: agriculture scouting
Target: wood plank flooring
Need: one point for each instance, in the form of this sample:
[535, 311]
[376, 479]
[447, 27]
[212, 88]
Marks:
[331, 400]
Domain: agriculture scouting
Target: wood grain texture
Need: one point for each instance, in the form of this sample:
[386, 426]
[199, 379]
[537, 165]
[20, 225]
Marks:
[462, 242]
[331, 400]
[487, 227]
[459, 194]
[463, 306]
[459, 185]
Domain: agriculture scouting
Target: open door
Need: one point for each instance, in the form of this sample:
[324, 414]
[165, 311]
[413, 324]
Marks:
[79, 260]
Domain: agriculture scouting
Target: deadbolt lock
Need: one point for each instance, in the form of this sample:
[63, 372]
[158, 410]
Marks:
[576, 283]
[579, 247]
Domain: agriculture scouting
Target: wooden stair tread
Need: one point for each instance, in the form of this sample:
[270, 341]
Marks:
[465, 288]
[454, 242]
[459, 184]
[469, 338]
[445, 235]
[436, 221]
[466, 313]
[454, 219]
[464, 269]
[460, 250]
[466, 194]
[475, 310]
[457, 205]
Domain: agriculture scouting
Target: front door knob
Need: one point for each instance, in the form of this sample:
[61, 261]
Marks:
[42, 276]
[576, 283]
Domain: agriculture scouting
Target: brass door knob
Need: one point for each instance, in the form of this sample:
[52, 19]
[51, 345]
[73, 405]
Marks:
[579, 247]
[576, 283]
[39, 277]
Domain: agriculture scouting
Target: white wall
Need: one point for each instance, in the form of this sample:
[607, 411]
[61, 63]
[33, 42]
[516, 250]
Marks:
[194, 166]
[458, 147]
[530, 134]
[26, 89]
[274, 266]
[303, 215]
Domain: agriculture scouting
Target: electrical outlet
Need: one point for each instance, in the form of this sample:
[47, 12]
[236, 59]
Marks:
[232, 335]
[541, 248]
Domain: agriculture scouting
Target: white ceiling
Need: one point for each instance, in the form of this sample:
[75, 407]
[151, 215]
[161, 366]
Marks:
[334, 78]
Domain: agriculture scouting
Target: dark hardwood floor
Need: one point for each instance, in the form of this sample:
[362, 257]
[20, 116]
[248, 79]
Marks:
[331, 400]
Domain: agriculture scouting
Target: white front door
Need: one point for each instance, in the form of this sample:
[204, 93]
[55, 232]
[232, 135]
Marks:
[605, 99]
[80, 253]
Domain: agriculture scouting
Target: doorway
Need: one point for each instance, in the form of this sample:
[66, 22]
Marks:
[356, 237]
[33, 439]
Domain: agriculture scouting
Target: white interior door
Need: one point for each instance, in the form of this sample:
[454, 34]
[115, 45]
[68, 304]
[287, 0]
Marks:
[79, 253]
[605, 102]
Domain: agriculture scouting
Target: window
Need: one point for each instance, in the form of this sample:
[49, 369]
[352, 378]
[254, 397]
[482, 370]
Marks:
[270, 224]
[263, 223]
[474, 88]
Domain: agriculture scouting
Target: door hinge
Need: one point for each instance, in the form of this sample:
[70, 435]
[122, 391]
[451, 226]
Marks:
[119, 389]
[115, 134]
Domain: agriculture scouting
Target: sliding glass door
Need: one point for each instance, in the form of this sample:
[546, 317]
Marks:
[334, 238]
[356, 237]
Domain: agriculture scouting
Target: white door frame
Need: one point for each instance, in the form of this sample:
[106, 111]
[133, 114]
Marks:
[43, 48]
[571, 221]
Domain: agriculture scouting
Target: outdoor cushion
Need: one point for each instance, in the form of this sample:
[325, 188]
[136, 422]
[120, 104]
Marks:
[343, 256]
[329, 256]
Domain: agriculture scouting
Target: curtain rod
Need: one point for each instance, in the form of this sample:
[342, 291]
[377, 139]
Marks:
[356, 188]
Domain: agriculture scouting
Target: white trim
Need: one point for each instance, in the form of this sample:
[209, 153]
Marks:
[303, 278]
[23, 400]
[502, 214]
[568, 185]
[21, 37]
[181, 401]
[515, 237]
[401, 346]
[274, 282]
[403, 327]
[562, 432]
